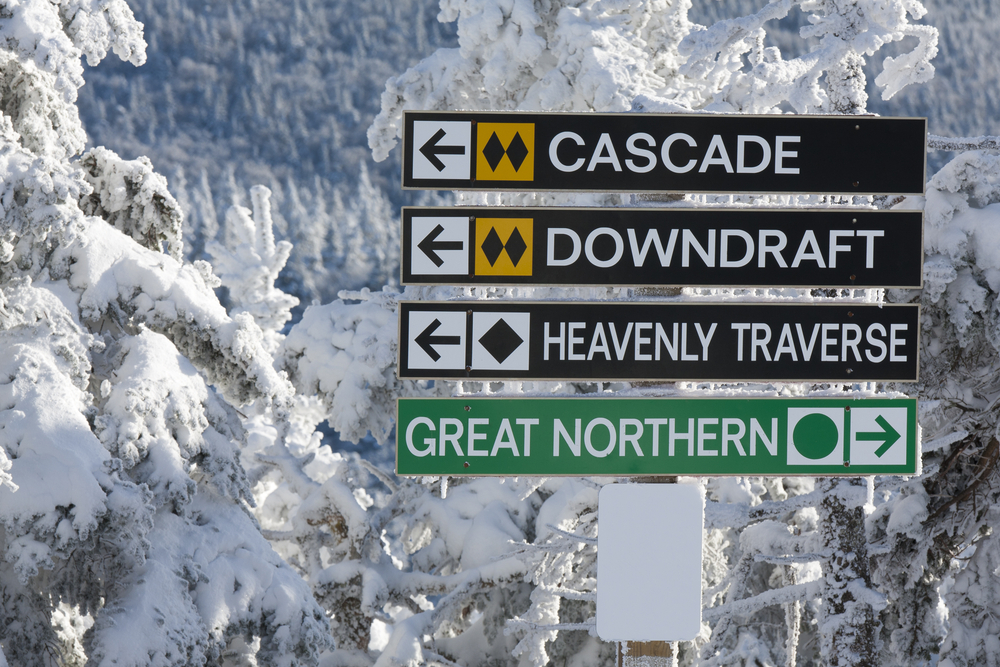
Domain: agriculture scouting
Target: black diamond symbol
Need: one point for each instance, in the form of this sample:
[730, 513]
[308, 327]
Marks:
[501, 341]
[492, 246]
[493, 151]
[515, 246]
[517, 151]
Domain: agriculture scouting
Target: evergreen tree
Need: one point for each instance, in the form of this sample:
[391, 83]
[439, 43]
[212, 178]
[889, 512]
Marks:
[124, 508]
[165, 498]
[814, 563]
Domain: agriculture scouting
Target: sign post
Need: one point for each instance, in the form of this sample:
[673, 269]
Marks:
[596, 152]
[724, 342]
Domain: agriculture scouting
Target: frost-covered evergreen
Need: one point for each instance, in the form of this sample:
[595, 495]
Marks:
[938, 531]
[788, 580]
[535, 56]
[275, 93]
[125, 519]
[165, 497]
[249, 263]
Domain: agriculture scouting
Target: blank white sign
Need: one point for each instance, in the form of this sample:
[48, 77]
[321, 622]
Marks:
[649, 561]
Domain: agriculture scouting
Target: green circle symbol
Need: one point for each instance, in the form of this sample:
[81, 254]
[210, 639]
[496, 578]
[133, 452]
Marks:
[815, 436]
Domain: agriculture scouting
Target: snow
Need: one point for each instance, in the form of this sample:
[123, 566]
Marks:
[162, 480]
[489, 537]
[45, 435]
[160, 407]
[345, 353]
[229, 584]
[908, 514]
[134, 198]
[569, 496]
[114, 275]
[249, 267]
[768, 537]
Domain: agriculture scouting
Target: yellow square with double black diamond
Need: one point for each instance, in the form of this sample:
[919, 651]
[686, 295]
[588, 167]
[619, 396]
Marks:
[505, 151]
[503, 246]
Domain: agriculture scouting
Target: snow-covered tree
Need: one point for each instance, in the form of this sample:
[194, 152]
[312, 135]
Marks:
[165, 498]
[940, 527]
[249, 92]
[125, 519]
[736, 71]
[535, 56]
[796, 565]
[249, 263]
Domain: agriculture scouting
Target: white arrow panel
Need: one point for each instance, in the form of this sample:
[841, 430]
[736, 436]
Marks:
[500, 341]
[863, 420]
[457, 134]
[453, 261]
[451, 353]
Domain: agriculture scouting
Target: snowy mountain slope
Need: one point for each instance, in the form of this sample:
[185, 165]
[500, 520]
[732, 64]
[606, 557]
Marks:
[275, 93]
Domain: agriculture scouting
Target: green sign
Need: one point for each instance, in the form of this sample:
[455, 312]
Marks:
[656, 436]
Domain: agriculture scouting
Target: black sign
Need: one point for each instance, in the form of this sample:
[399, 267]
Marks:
[636, 152]
[515, 340]
[668, 247]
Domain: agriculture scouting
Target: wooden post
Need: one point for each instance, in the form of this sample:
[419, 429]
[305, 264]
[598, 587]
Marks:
[652, 653]
[644, 654]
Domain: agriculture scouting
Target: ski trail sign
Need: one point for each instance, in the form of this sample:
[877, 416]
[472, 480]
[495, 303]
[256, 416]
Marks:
[826, 248]
[721, 342]
[633, 152]
[656, 436]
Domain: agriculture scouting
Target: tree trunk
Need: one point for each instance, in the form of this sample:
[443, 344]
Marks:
[849, 623]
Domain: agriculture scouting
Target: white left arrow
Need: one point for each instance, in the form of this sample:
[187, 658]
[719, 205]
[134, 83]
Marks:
[436, 340]
[439, 245]
[442, 149]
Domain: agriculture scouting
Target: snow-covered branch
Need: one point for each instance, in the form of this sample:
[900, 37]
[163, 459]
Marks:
[774, 596]
[516, 624]
[956, 144]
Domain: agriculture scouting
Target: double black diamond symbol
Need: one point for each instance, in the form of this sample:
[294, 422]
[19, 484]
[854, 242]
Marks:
[494, 151]
[515, 246]
[501, 341]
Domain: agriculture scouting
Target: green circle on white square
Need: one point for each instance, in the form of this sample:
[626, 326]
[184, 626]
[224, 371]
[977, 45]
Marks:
[795, 455]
